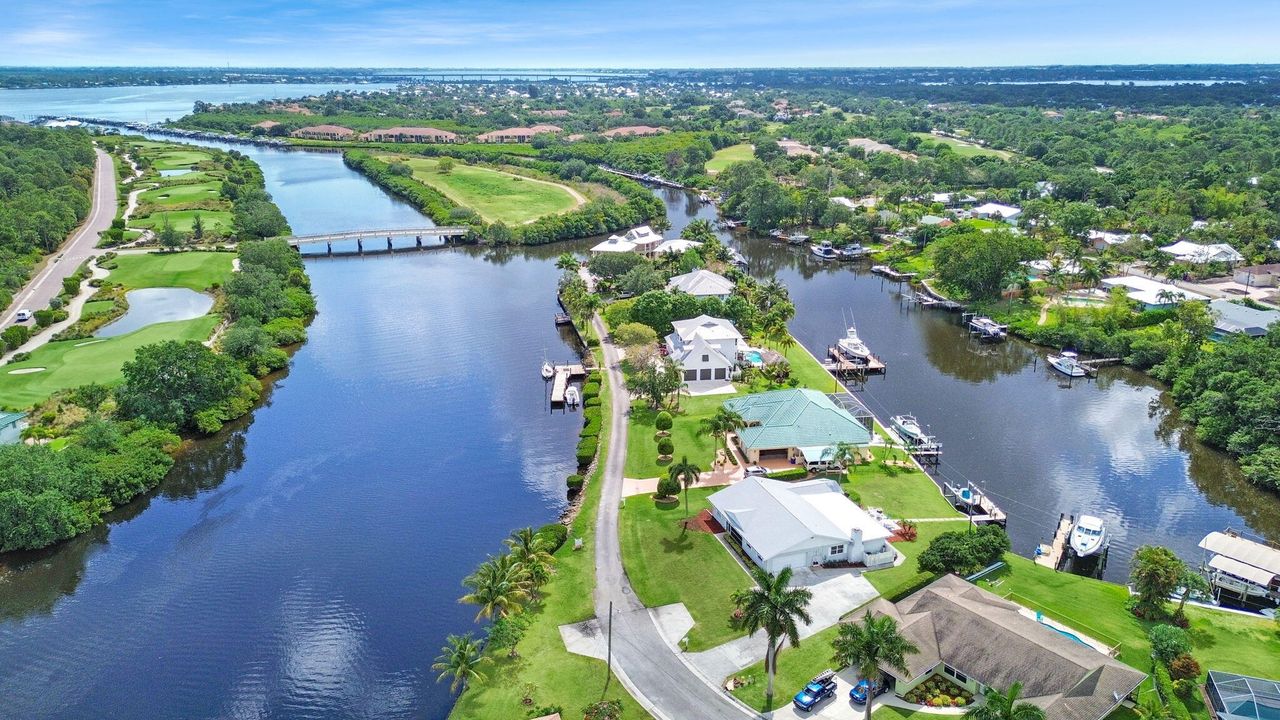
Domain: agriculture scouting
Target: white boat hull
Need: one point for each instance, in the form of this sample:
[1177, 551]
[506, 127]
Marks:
[1066, 367]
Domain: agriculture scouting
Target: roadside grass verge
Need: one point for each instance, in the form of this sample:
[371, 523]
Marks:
[668, 564]
[195, 270]
[72, 363]
[494, 194]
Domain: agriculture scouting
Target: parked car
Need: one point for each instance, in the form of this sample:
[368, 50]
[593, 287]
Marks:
[750, 470]
[858, 693]
[816, 690]
[23, 315]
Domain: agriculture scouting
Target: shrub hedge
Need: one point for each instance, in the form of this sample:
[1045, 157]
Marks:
[555, 534]
[789, 474]
[587, 451]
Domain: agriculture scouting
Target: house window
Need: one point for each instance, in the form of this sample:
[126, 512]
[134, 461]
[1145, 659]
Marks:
[706, 373]
[720, 374]
[955, 674]
[706, 358]
[836, 550]
[690, 374]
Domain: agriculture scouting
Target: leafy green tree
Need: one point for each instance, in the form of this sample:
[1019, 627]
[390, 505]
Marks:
[1168, 642]
[634, 335]
[445, 165]
[197, 227]
[567, 261]
[257, 218]
[963, 552]
[461, 660]
[655, 381]
[169, 237]
[667, 487]
[870, 644]
[529, 550]
[721, 423]
[245, 340]
[998, 705]
[640, 279]
[663, 422]
[977, 263]
[775, 607]
[172, 382]
[1155, 573]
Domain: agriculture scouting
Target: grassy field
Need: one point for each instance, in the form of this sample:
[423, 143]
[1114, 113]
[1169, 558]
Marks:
[495, 195]
[72, 363]
[667, 565]
[177, 158]
[215, 221]
[559, 677]
[184, 193]
[727, 156]
[900, 492]
[95, 307]
[196, 270]
[965, 149]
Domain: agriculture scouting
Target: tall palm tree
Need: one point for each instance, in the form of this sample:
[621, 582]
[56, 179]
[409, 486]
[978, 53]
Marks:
[774, 607]
[1152, 708]
[842, 453]
[500, 586]
[567, 261]
[685, 473]
[461, 659]
[723, 422]
[1004, 706]
[869, 645]
[530, 550]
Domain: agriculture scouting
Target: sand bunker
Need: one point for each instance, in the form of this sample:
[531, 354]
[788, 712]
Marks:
[25, 371]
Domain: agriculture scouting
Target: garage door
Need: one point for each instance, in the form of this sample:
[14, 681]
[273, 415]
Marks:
[773, 454]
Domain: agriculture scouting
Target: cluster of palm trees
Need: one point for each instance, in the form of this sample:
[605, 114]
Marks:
[502, 586]
[869, 644]
[721, 424]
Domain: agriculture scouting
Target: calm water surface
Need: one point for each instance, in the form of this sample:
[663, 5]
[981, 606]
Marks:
[306, 562]
[1113, 447]
[156, 305]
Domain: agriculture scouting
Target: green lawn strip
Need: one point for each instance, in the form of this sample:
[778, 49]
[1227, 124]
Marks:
[494, 194]
[195, 270]
[900, 492]
[965, 149]
[891, 581]
[724, 157]
[559, 677]
[687, 435]
[184, 193]
[176, 158]
[72, 363]
[667, 564]
[795, 667]
[806, 369]
[184, 220]
[95, 307]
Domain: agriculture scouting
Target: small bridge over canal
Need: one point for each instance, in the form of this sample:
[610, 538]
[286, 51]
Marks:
[452, 234]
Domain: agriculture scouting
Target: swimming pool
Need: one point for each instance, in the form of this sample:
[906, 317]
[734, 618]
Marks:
[1060, 631]
[754, 357]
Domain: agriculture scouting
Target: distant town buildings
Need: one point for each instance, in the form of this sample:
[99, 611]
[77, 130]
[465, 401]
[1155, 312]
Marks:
[411, 135]
[632, 131]
[517, 134]
[324, 132]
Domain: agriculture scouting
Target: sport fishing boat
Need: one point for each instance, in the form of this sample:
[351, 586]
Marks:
[824, 251]
[909, 428]
[1088, 536]
[1068, 363]
[852, 345]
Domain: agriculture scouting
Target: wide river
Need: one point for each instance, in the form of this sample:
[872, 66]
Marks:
[306, 562]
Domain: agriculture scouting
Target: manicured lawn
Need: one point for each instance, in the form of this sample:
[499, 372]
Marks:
[176, 194]
[668, 564]
[215, 221]
[174, 159]
[725, 157]
[686, 434]
[806, 369]
[900, 492]
[965, 149]
[561, 678]
[891, 581]
[95, 307]
[495, 195]
[72, 363]
[196, 270]
[795, 667]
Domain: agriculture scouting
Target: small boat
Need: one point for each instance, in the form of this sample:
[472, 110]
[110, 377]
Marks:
[704, 199]
[1088, 536]
[777, 234]
[854, 251]
[571, 396]
[798, 239]
[548, 370]
[1068, 363]
[824, 251]
[909, 428]
[737, 258]
[987, 328]
[853, 346]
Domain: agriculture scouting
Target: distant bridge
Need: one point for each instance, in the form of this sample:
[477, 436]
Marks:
[451, 234]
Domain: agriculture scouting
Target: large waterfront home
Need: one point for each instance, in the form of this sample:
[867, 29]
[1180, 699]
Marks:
[410, 135]
[324, 132]
[1152, 294]
[641, 240]
[800, 524]
[702, 283]
[706, 349]
[517, 134]
[1197, 254]
[794, 427]
[978, 640]
[1231, 318]
[675, 246]
[996, 211]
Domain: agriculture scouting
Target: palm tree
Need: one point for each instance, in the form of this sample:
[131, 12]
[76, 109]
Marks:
[723, 422]
[567, 261]
[500, 586]
[1004, 706]
[460, 659]
[774, 607]
[530, 550]
[1152, 708]
[1090, 274]
[685, 473]
[870, 644]
[842, 453]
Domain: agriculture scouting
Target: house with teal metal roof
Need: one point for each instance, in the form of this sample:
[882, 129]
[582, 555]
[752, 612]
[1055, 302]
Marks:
[801, 426]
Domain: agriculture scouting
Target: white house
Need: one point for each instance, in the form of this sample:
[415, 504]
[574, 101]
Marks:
[1151, 293]
[996, 211]
[702, 283]
[641, 240]
[800, 524]
[705, 348]
[675, 247]
[1187, 251]
[1103, 239]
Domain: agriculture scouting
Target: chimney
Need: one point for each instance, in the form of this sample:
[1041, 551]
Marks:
[856, 536]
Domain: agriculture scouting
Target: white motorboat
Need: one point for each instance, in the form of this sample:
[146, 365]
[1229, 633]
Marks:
[854, 251]
[824, 251]
[853, 346]
[909, 428]
[1068, 363]
[1088, 536]
[571, 396]
[548, 370]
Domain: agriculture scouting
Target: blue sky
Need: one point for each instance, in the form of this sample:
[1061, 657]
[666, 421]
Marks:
[657, 33]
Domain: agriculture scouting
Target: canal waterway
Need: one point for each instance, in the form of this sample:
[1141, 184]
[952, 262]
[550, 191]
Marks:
[306, 562]
[1039, 446]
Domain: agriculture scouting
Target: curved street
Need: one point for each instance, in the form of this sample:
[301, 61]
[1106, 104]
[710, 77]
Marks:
[644, 662]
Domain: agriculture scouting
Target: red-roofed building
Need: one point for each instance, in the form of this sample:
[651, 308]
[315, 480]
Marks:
[410, 135]
[266, 124]
[517, 135]
[324, 132]
[632, 131]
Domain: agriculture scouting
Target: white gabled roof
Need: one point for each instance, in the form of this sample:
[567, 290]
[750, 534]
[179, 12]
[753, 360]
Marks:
[701, 283]
[1005, 211]
[643, 235]
[705, 327]
[1148, 291]
[1195, 252]
[677, 246]
[776, 517]
[615, 244]
[681, 352]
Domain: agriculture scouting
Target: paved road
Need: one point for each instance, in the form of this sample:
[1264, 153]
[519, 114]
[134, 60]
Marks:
[646, 664]
[81, 246]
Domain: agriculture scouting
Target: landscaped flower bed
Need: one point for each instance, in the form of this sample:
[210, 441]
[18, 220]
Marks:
[939, 691]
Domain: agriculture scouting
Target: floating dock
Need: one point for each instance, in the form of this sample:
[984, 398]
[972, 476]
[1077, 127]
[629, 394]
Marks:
[892, 274]
[1053, 554]
[987, 511]
[560, 381]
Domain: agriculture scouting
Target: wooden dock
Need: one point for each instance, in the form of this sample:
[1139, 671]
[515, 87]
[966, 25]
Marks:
[844, 366]
[560, 382]
[1053, 554]
[988, 513]
[892, 274]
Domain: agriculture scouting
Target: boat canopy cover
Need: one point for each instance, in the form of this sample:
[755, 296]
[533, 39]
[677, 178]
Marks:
[1245, 551]
[1244, 571]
